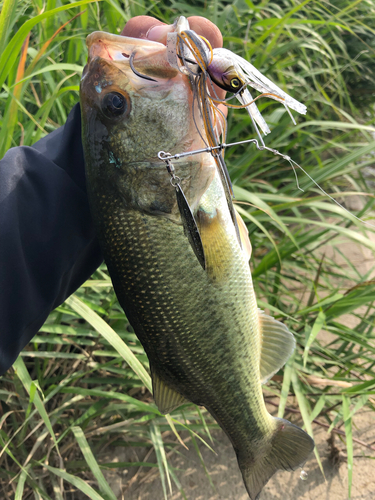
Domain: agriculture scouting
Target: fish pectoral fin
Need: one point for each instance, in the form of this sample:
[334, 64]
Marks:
[276, 347]
[166, 398]
[244, 235]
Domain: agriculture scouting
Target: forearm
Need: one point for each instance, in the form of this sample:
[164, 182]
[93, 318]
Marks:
[48, 246]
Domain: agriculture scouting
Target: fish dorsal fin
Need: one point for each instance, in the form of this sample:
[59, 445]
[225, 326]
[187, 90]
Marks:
[166, 398]
[277, 346]
[244, 235]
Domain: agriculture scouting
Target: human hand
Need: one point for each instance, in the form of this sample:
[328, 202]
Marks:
[152, 29]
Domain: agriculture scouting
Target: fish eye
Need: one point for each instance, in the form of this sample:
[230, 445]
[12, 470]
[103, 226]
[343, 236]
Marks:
[114, 104]
[235, 83]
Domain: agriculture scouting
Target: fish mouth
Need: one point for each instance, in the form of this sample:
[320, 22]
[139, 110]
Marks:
[117, 47]
[142, 57]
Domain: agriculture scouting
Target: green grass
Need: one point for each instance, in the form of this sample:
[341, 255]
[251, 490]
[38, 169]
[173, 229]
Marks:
[83, 382]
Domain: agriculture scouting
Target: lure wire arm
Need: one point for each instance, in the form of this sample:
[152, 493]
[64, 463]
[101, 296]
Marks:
[167, 156]
[189, 40]
[175, 180]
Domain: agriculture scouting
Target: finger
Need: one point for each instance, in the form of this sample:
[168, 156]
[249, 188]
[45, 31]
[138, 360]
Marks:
[139, 27]
[152, 29]
[223, 109]
[206, 28]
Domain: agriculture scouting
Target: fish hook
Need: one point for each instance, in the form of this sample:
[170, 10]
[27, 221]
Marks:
[131, 62]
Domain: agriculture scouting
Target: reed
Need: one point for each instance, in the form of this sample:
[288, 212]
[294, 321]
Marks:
[83, 383]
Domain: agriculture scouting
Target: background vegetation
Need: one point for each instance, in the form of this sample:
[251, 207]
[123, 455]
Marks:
[82, 385]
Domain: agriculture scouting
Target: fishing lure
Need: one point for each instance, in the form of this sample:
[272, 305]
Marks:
[193, 55]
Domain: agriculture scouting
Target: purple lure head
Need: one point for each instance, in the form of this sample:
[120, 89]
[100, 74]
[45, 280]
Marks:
[225, 75]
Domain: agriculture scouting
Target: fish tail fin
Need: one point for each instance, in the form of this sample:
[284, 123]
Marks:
[288, 449]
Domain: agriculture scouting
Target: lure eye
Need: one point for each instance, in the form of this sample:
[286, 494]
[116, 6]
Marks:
[235, 83]
[114, 104]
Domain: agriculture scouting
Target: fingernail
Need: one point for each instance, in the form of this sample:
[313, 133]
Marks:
[159, 33]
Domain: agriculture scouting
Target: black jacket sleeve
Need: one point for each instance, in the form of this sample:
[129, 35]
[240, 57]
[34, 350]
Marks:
[48, 246]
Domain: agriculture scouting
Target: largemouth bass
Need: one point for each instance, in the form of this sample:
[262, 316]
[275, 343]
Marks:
[206, 340]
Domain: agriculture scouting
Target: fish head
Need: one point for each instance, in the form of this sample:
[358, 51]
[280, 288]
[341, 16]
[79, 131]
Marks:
[135, 104]
[136, 109]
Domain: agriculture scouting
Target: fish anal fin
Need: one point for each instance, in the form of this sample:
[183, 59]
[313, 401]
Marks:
[288, 449]
[244, 236]
[277, 344]
[166, 398]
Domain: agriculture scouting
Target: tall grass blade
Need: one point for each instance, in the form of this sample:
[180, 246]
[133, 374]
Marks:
[92, 463]
[25, 378]
[349, 440]
[174, 430]
[79, 483]
[285, 387]
[157, 441]
[6, 17]
[13, 109]
[317, 326]
[14, 46]
[21, 484]
[46, 44]
[111, 336]
[305, 412]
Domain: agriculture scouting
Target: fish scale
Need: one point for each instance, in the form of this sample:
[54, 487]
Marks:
[200, 326]
[168, 320]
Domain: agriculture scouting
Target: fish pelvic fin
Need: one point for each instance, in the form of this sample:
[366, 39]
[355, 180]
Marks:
[289, 449]
[166, 398]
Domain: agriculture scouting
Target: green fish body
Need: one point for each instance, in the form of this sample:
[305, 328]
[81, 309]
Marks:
[206, 340]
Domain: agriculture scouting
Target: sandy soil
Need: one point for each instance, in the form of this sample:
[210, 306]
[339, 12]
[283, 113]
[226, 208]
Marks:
[227, 480]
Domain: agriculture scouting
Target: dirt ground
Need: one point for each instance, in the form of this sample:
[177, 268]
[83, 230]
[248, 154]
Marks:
[227, 480]
[223, 468]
